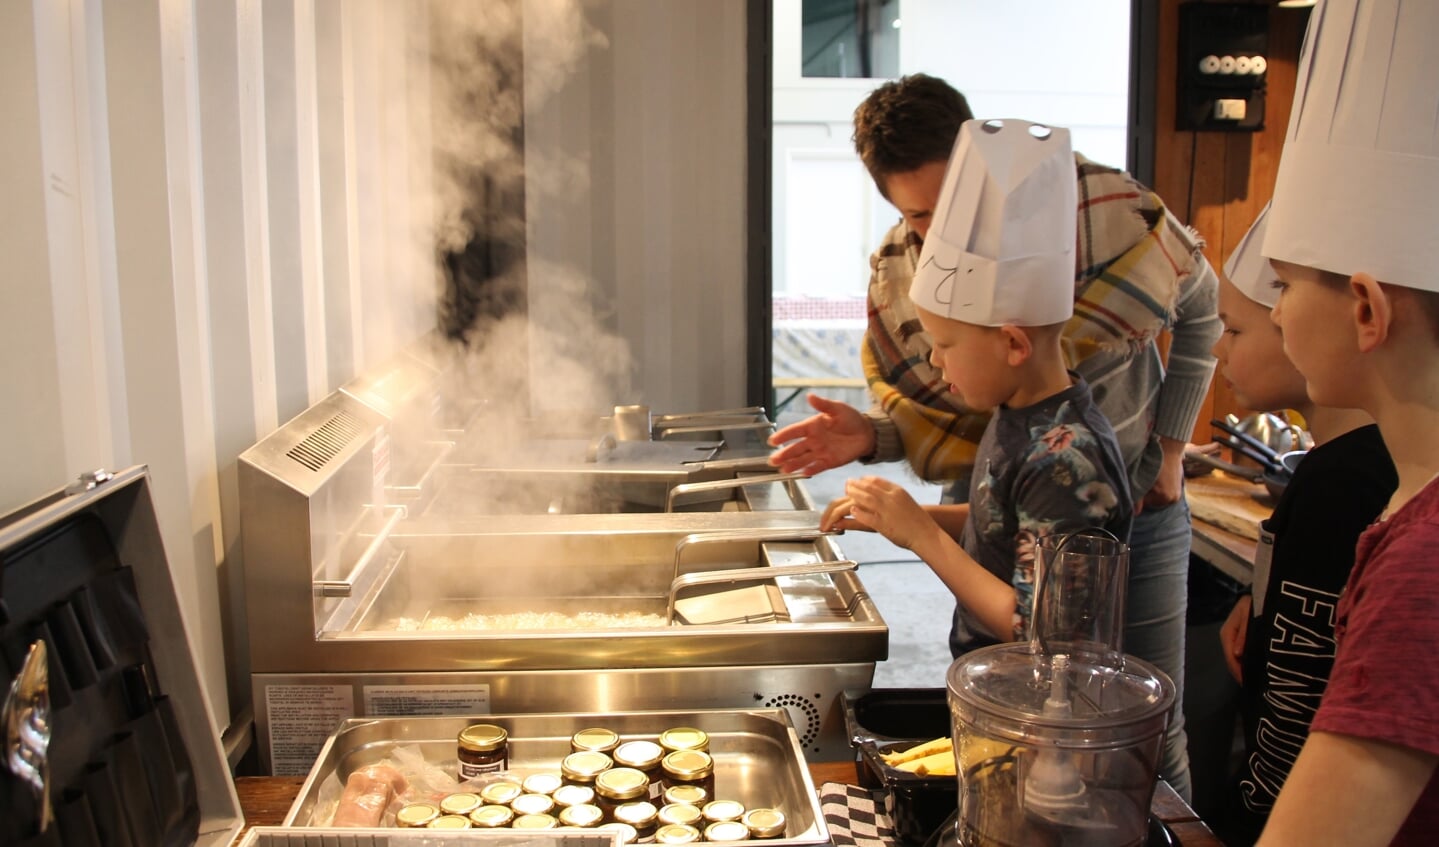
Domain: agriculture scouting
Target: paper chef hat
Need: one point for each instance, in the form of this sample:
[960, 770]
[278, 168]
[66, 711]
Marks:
[1250, 272]
[1000, 249]
[1358, 185]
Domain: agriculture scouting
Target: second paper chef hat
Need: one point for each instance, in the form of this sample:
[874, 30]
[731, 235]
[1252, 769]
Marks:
[1249, 270]
[1359, 177]
[1001, 247]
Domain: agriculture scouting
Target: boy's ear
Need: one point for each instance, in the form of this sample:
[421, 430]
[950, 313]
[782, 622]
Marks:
[1017, 345]
[1373, 311]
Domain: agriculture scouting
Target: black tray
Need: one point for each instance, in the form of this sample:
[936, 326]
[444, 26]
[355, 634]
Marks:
[886, 719]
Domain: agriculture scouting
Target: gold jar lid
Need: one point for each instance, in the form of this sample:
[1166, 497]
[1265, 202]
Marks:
[482, 737]
[764, 823]
[723, 810]
[582, 814]
[543, 783]
[694, 795]
[585, 765]
[534, 822]
[450, 822]
[490, 817]
[689, 764]
[726, 831]
[460, 804]
[676, 833]
[573, 795]
[416, 814]
[681, 813]
[501, 793]
[533, 804]
[595, 738]
[622, 784]
[639, 814]
[628, 834]
[685, 738]
[643, 755]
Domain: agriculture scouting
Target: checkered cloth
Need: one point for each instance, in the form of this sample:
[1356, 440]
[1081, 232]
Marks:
[855, 816]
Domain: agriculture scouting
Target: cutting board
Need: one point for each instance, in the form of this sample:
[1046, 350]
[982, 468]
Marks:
[1232, 504]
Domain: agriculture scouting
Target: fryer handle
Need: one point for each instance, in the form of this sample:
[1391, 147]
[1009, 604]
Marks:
[717, 425]
[344, 587]
[753, 574]
[720, 484]
[747, 411]
[761, 535]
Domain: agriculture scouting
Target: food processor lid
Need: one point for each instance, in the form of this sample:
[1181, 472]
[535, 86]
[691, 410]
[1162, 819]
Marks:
[1007, 683]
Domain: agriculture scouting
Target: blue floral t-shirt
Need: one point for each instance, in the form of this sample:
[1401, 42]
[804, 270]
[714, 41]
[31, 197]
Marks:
[1054, 466]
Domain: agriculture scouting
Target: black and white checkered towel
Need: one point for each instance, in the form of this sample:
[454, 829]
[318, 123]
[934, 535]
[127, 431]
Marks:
[855, 816]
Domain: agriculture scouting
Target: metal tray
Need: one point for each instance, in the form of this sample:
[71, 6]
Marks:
[758, 759]
[272, 836]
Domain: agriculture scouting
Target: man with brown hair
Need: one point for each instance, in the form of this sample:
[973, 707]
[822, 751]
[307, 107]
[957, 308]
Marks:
[1138, 272]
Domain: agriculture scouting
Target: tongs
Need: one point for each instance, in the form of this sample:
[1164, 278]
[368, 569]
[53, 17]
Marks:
[25, 717]
[1248, 446]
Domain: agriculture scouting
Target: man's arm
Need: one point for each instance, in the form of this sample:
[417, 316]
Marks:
[1186, 380]
[1347, 790]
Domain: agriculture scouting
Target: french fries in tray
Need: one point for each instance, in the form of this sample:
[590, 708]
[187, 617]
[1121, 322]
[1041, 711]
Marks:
[932, 758]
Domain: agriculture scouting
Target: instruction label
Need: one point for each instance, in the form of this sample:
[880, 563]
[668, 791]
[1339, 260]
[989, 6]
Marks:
[392, 700]
[301, 720]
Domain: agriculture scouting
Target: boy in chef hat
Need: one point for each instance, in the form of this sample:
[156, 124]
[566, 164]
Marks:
[994, 289]
[1306, 549]
[1354, 235]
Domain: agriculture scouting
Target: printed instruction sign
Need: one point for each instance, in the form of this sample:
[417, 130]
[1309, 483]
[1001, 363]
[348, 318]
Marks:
[302, 717]
[397, 700]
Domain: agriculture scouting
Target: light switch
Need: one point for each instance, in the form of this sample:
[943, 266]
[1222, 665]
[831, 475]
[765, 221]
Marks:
[1229, 110]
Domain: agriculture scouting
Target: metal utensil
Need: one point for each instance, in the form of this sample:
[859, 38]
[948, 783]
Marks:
[1271, 455]
[26, 719]
[1265, 460]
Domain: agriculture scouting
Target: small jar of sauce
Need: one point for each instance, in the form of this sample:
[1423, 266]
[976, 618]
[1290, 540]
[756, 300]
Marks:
[482, 748]
[449, 822]
[676, 833]
[501, 793]
[689, 767]
[643, 816]
[727, 831]
[684, 738]
[764, 823]
[416, 815]
[617, 786]
[595, 738]
[583, 767]
[682, 813]
[643, 756]
[582, 815]
[491, 817]
[693, 795]
[460, 804]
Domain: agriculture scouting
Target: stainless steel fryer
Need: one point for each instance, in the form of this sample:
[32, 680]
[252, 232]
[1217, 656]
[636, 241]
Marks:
[377, 584]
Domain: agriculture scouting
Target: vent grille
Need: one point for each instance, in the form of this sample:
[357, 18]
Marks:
[323, 444]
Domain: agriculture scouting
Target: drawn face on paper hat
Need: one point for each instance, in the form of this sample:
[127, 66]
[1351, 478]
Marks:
[1358, 185]
[1249, 270]
[1001, 247]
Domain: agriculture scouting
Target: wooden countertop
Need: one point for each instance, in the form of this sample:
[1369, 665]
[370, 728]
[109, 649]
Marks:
[265, 800]
[1225, 515]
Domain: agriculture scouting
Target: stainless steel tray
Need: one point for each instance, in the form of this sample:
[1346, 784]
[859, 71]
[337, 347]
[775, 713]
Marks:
[758, 759]
[274, 836]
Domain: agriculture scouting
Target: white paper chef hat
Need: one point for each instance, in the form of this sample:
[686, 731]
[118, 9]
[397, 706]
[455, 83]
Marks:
[1358, 186]
[1247, 268]
[1000, 249]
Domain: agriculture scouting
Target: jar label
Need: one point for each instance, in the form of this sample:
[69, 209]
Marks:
[469, 770]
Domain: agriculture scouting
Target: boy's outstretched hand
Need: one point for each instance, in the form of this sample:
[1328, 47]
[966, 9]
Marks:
[836, 436]
[887, 508]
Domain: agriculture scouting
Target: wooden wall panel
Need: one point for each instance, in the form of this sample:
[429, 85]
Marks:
[1218, 181]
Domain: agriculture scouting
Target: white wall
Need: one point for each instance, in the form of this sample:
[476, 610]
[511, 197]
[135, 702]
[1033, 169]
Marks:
[1058, 61]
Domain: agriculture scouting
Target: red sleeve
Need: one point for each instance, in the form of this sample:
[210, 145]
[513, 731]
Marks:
[1385, 683]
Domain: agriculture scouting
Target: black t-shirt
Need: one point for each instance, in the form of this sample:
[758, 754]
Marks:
[1338, 489]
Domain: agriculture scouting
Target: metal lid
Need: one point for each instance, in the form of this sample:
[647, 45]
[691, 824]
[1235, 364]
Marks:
[1001, 691]
[585, 765]
[681, 813]
[764, 823]
[460, 804]
[582, 814]
[534, 822]
[492, 816]
[684, 738]
[622, 784]
[638, 754]
[628, 834]
[449, 822]
[543, 783]
[533, 804]
[595, 738]
[573, 795]
[482, 737]
[641, 813]
[694, 795]
[689, 764]
[416, 814]
[676, 833]
[501, 793]
[727, 831]
[723, 810]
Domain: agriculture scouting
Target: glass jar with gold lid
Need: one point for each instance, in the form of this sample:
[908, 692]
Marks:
[764, 823]
[533, 804]
[482, 748]
[716, 811]
[492, 817]
[449, 822]
[684, 738]
[726, 831]
[573, 795]
[689, 767]
[627, 834]
[545, 782]
[595, 738]
[682, 813]
[582, 815]
[581, 768]
[676, 833]
[534, 822]
[501, 792]
[643, 816]
[693, 795]
[460, 804]
[620, 785]
[643, 756]
[414, 815]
